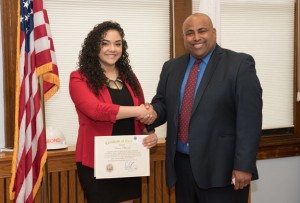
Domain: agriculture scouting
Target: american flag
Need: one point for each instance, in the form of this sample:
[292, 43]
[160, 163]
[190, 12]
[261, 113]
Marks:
[35, 58]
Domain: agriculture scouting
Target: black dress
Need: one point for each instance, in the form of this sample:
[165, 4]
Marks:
[124, 188]
[116, 189]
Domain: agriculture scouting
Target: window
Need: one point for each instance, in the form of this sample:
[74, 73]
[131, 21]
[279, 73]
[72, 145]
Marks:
[146, 27]
[266, 30]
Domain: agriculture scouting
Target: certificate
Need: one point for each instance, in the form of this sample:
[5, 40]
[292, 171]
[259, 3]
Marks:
[121, 156]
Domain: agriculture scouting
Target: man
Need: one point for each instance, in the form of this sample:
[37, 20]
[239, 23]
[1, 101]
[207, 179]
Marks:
[216, 160]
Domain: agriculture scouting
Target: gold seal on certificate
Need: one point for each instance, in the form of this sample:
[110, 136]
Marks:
[121, 156]
[109, 168]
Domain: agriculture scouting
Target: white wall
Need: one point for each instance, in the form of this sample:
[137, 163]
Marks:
[279, 181]
[2, 137]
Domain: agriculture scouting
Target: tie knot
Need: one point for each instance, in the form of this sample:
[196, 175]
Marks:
[197, 62]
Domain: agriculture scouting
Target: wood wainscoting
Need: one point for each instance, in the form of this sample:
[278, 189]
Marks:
[63, 183]
[64, 186]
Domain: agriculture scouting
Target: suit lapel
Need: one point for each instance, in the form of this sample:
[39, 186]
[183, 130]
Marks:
[180, 69]
[209, 71]
[181, 66]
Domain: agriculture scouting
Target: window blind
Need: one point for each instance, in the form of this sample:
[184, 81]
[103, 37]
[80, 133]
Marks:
[264, 29]
[146, 27]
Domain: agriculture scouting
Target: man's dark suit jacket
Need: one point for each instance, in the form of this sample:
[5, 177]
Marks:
[226, 120]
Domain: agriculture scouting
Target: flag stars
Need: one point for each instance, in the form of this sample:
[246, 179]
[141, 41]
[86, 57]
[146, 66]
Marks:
[27, 11]
[26, 4]
[26, 17]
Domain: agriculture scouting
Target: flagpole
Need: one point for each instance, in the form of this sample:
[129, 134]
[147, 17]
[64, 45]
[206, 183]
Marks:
[45, 192]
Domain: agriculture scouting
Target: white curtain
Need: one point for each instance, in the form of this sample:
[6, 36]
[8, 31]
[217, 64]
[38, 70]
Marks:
[212, 9]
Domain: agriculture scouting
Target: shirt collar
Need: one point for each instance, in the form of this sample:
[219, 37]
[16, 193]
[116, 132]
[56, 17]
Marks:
[205, 59]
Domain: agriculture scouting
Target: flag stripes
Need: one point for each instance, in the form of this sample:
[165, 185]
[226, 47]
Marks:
[35, 54]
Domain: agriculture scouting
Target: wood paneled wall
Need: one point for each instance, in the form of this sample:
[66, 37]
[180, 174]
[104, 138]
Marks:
[64, 187]
[61, 185]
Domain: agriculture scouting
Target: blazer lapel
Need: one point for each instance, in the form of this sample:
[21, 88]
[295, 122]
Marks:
[209, 71]
[104, 95]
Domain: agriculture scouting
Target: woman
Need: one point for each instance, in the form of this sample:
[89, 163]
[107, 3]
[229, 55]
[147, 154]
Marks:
[109, 101]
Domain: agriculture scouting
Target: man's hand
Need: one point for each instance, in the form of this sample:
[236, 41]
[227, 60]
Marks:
[240, 179]
[151, 140]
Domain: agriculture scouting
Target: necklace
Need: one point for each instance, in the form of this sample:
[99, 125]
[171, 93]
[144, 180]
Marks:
[115, 84]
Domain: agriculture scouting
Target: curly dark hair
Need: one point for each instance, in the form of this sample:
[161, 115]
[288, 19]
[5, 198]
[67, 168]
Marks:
[90, 66]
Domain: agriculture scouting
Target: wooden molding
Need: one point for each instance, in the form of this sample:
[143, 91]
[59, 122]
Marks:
[182, 9]
[9, 36]
[279, 146]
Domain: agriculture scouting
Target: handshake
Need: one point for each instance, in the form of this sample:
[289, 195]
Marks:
[147, 114]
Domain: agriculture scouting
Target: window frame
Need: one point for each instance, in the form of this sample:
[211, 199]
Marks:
[274, 145]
